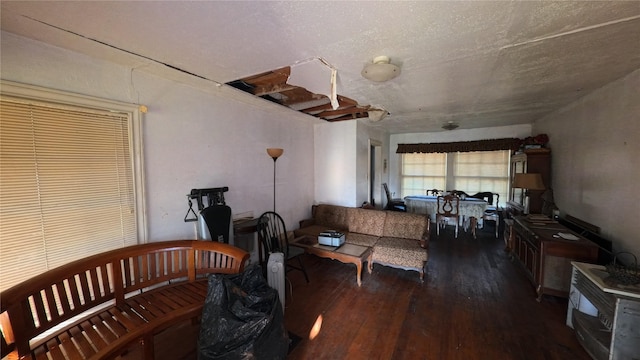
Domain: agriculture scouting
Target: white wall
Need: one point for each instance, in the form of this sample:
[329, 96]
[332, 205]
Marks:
[515, 131]
[595, 145]
[342, 161]
[196, 135]
[335, 163]
[365, 133]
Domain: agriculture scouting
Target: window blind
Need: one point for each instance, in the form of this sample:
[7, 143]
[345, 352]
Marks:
[480, 171]
[66, 185]
[471, 172]
[422, 171]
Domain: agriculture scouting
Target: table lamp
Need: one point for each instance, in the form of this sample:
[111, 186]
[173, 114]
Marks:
[530, 181]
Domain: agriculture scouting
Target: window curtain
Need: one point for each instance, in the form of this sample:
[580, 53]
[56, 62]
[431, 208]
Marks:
[461, 146]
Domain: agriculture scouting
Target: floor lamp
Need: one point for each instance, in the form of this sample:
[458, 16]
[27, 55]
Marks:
[530, 181]
[275, 153]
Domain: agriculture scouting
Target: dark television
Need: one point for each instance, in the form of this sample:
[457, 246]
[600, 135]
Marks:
[591, 232]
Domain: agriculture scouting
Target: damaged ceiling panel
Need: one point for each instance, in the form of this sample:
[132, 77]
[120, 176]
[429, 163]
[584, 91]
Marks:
[477, 64]
[273, 86]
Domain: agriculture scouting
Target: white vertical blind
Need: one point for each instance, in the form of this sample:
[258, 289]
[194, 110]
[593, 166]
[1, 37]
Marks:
[66, 185]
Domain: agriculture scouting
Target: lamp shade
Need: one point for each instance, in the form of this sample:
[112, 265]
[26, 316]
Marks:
[274, 152]
[532, 181]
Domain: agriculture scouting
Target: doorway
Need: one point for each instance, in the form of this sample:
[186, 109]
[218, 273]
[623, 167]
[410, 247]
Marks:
[375, 173]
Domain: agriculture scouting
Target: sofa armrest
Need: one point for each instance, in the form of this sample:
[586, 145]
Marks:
[307, 222]
[424, 242]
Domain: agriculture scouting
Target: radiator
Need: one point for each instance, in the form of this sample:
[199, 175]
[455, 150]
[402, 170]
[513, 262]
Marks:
[275, 275]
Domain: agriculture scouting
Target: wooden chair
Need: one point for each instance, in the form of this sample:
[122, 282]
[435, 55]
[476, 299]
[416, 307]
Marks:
[395, 204]
[273, 236]
[492, 212]
[448, 208]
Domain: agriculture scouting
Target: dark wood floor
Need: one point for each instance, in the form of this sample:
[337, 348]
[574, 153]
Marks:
[474, 304]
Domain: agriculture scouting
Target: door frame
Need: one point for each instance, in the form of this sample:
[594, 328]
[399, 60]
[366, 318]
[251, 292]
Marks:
[374, 173]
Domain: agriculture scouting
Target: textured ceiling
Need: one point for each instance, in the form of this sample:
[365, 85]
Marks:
[478, 64]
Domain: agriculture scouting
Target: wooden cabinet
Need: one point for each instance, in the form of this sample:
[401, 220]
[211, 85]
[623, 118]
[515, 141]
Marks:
[546, 257]
[529, 161]
[605, 316]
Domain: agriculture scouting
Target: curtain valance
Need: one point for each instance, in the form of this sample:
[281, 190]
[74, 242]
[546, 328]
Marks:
[461, 146]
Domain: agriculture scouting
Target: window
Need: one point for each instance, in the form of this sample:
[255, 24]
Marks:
[471, 172]
[421, 171]
[70, 183]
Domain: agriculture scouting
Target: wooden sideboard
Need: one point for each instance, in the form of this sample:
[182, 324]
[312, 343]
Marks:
[545, 256]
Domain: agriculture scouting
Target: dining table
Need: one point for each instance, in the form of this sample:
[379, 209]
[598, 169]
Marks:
[471, 209]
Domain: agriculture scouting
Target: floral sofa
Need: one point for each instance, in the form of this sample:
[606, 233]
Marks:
[398, 239]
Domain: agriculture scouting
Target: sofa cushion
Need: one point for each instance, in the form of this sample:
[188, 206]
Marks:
[361, 239]
[405, 225]
[365, 221]
[332, 217]
[405, 253]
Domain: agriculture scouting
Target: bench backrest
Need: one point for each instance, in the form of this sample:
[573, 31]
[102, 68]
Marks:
[45, 301]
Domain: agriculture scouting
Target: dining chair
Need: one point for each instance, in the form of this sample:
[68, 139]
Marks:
[273, 236]
[492, 212]
[448, 208]
[459, 193]
[395, 204]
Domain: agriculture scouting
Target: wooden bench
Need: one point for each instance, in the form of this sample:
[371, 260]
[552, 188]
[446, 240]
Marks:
[102, 306]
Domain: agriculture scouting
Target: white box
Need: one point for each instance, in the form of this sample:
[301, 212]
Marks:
[331, 238]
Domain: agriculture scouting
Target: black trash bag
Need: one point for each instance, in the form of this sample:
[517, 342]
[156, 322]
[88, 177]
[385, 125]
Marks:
[242, 318]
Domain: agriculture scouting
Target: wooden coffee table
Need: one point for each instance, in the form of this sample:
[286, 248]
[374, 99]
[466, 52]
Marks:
[347, 253]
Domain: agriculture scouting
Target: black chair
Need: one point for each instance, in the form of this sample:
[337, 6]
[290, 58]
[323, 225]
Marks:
[459, 193]
[492, 212]
[395, 204]
[273, 236]
[218, 220]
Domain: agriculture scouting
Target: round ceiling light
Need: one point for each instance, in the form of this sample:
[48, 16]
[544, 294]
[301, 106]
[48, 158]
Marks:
[450, 126]
[380, 70]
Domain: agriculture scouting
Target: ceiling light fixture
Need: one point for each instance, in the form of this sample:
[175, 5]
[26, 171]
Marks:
[450, 126]
[378, 114]
[380, 70]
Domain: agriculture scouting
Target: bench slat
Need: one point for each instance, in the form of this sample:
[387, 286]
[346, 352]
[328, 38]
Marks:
[125, 319]
[94, 338]
[157, 306]
[64, 300]
[81, 341]
[101, 328]
[54, 350]
[116, 327]
[69, 347]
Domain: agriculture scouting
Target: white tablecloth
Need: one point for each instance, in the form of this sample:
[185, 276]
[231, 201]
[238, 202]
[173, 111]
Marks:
[469, 207]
